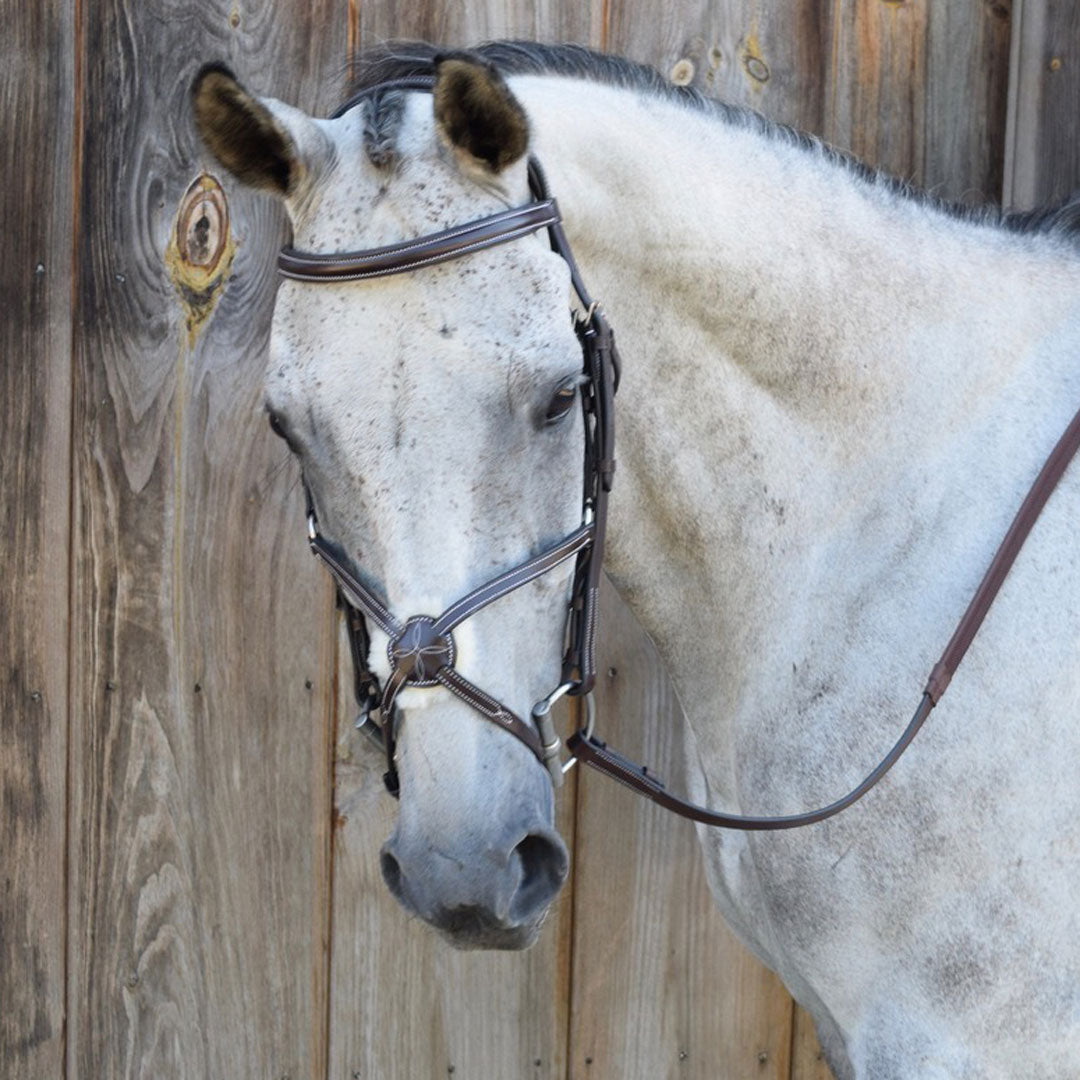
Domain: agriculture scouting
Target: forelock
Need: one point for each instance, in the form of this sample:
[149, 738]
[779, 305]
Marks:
[383, 114]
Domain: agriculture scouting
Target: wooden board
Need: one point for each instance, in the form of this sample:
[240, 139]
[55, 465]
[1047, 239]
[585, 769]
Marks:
[661, 987]
[456, 24]
[767, 56]
[37, 206]
[202, 682]
[1042, 156]
[920, 90]
[807, 1060]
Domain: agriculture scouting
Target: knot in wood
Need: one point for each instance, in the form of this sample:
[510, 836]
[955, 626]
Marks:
[202, 224]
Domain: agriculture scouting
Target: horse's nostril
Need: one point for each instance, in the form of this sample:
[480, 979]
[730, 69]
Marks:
[391, 872]
[544, 866]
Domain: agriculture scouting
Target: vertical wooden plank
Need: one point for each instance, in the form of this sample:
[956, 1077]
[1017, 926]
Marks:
[967, 99]
[455, 24]
[807, 1060]
[202, 690]
[37, 100]
[919, 89]
[765, 55]
[661, 987]
[1042, 157]
[876, 103]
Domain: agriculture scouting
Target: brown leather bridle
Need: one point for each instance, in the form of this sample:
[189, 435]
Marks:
[421, 649]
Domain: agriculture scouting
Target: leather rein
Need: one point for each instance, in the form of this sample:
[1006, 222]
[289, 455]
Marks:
[421, 649]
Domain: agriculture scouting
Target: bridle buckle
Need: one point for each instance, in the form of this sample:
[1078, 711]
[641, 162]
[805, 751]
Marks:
[550, 741]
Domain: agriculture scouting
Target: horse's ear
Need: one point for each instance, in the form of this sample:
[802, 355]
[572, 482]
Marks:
[477, 114]
[266, 145]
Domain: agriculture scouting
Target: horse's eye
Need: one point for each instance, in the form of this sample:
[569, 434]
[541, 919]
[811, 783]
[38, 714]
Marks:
[277, 427]
[562, 401]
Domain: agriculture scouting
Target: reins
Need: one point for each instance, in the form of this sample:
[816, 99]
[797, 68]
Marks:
[421, 650]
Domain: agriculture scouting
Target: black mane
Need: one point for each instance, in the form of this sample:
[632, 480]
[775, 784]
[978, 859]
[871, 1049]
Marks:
[406, 59]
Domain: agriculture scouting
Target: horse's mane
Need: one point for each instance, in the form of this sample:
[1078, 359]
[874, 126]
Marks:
[404, 59]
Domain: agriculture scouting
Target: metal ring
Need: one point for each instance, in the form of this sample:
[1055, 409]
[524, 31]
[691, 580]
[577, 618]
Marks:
[543, 706]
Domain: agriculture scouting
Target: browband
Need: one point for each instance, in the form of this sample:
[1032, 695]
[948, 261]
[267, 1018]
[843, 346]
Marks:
[437, 247]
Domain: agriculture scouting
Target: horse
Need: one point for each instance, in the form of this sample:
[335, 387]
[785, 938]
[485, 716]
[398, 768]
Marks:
[835, 391]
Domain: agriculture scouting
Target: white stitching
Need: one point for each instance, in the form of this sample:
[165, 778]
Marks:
[581, 541]
[388, 623]
[445, 256]
[449, 234]
[510, 216]
[589, 652]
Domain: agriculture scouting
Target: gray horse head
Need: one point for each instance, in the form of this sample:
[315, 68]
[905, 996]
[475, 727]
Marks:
[430, 417]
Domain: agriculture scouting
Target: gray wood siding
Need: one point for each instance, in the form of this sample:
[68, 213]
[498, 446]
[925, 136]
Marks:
[37, 207]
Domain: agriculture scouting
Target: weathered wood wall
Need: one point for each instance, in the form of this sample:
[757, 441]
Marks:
[37, 148]
[199, 769]
[190, 827]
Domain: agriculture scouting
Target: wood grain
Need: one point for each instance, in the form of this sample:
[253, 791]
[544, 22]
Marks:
[920, 90]
[450, 23]
[37, 99]
[1042, 155]
[807, 1061]
[661, 987]
[202, 696]
[764, 55]
[405, 1005]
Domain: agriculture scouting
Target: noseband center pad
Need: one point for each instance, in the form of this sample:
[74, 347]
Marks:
[420, 652]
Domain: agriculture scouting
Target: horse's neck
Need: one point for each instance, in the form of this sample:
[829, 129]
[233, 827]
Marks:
[781, 268]
[792, 357]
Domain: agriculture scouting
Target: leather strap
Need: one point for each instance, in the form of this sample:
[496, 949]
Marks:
[601, 364]
[422, 643]
[1064, 451]
[601, 367]
[639, 778]
[460, 610]
[428, 250]
[358, 598]
[355, 592]
[493, 710]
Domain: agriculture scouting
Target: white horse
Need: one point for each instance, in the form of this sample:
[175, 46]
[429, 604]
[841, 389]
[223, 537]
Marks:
[835, 394]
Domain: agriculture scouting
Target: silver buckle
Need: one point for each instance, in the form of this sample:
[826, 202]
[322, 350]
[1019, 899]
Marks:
[550, 742]
[371, 729]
